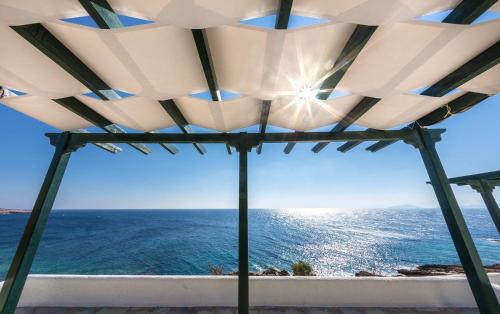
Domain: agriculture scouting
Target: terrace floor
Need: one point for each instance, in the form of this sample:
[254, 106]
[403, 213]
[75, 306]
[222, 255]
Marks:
[211, 310]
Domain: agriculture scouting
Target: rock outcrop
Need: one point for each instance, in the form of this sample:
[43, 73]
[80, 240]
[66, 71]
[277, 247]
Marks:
[266, 272]
[440, 270]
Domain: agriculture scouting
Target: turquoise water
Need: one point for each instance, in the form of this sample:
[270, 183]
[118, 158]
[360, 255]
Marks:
[335, 242]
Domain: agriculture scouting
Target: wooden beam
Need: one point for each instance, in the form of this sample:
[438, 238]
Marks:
[112, 148]
[463, 14]
[360, 109]
[174, 112]
[492, 175]
[379, 145]
[79, 108]
[347, 146]
[486, 191]
[458, 105]
[468, 10]
[27, 247]
[354, 45]
[243, 280]
[476, 276]
[288, 148]
[264, 116]
[49, 45]
[102, 13]
[477, 65]
[284, 10]
[253, 139]
[201, 41]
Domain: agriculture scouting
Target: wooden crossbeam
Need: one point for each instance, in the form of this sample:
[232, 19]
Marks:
[200, 39]
[283, 16]
[251, 139]
[102, 13]
[79, 108]
[492, 175]
[477, 65]
[49, 45]
[458, 105]
[360, 109]
[352, 48]
[174, 112]
[468, 10]
[465, 13]
[264, 116]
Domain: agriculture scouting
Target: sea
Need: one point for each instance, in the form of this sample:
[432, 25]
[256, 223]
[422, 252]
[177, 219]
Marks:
[336, 242]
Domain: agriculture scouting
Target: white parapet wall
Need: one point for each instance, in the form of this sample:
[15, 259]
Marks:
[191, 291]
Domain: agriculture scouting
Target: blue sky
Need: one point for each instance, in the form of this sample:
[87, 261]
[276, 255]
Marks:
[393, 176]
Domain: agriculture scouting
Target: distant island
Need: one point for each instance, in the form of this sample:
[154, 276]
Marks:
[5, 211]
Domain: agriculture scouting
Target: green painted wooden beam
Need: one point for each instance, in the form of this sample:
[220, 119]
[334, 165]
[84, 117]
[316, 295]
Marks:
[465, 13]
[354, 45]
[458, 105]
[264, 116]
[112, 148]
[347, 146]
[288, 148]
[492, 175]
[472, 68]
[486, 191]
[175, 113]
[79, 108]
[49, 45]
[201, 41]
[360, 109]
[356, 42]
[243, 280]
[468, 10]
[467, 252]
[283, 15]
[102, 13]
[253, 139]
[170, 148]
[25, 253]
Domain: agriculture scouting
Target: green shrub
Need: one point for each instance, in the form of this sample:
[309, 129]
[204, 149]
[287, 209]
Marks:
[302, 268]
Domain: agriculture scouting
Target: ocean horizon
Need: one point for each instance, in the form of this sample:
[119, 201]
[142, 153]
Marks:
[337, 242]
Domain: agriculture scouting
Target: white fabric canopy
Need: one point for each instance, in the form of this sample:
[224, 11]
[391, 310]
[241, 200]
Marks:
[160, 61]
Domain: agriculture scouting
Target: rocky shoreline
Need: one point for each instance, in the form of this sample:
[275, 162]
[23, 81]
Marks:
[271, 271]
[5, 211]
[419, 271]
[428, 270]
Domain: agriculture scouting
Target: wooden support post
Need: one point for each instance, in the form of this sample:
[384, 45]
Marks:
[25, 253]
[486, 191]
[467, 252]
[243, 285]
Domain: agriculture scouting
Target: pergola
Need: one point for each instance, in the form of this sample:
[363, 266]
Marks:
[484, 183]
[375, 51]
